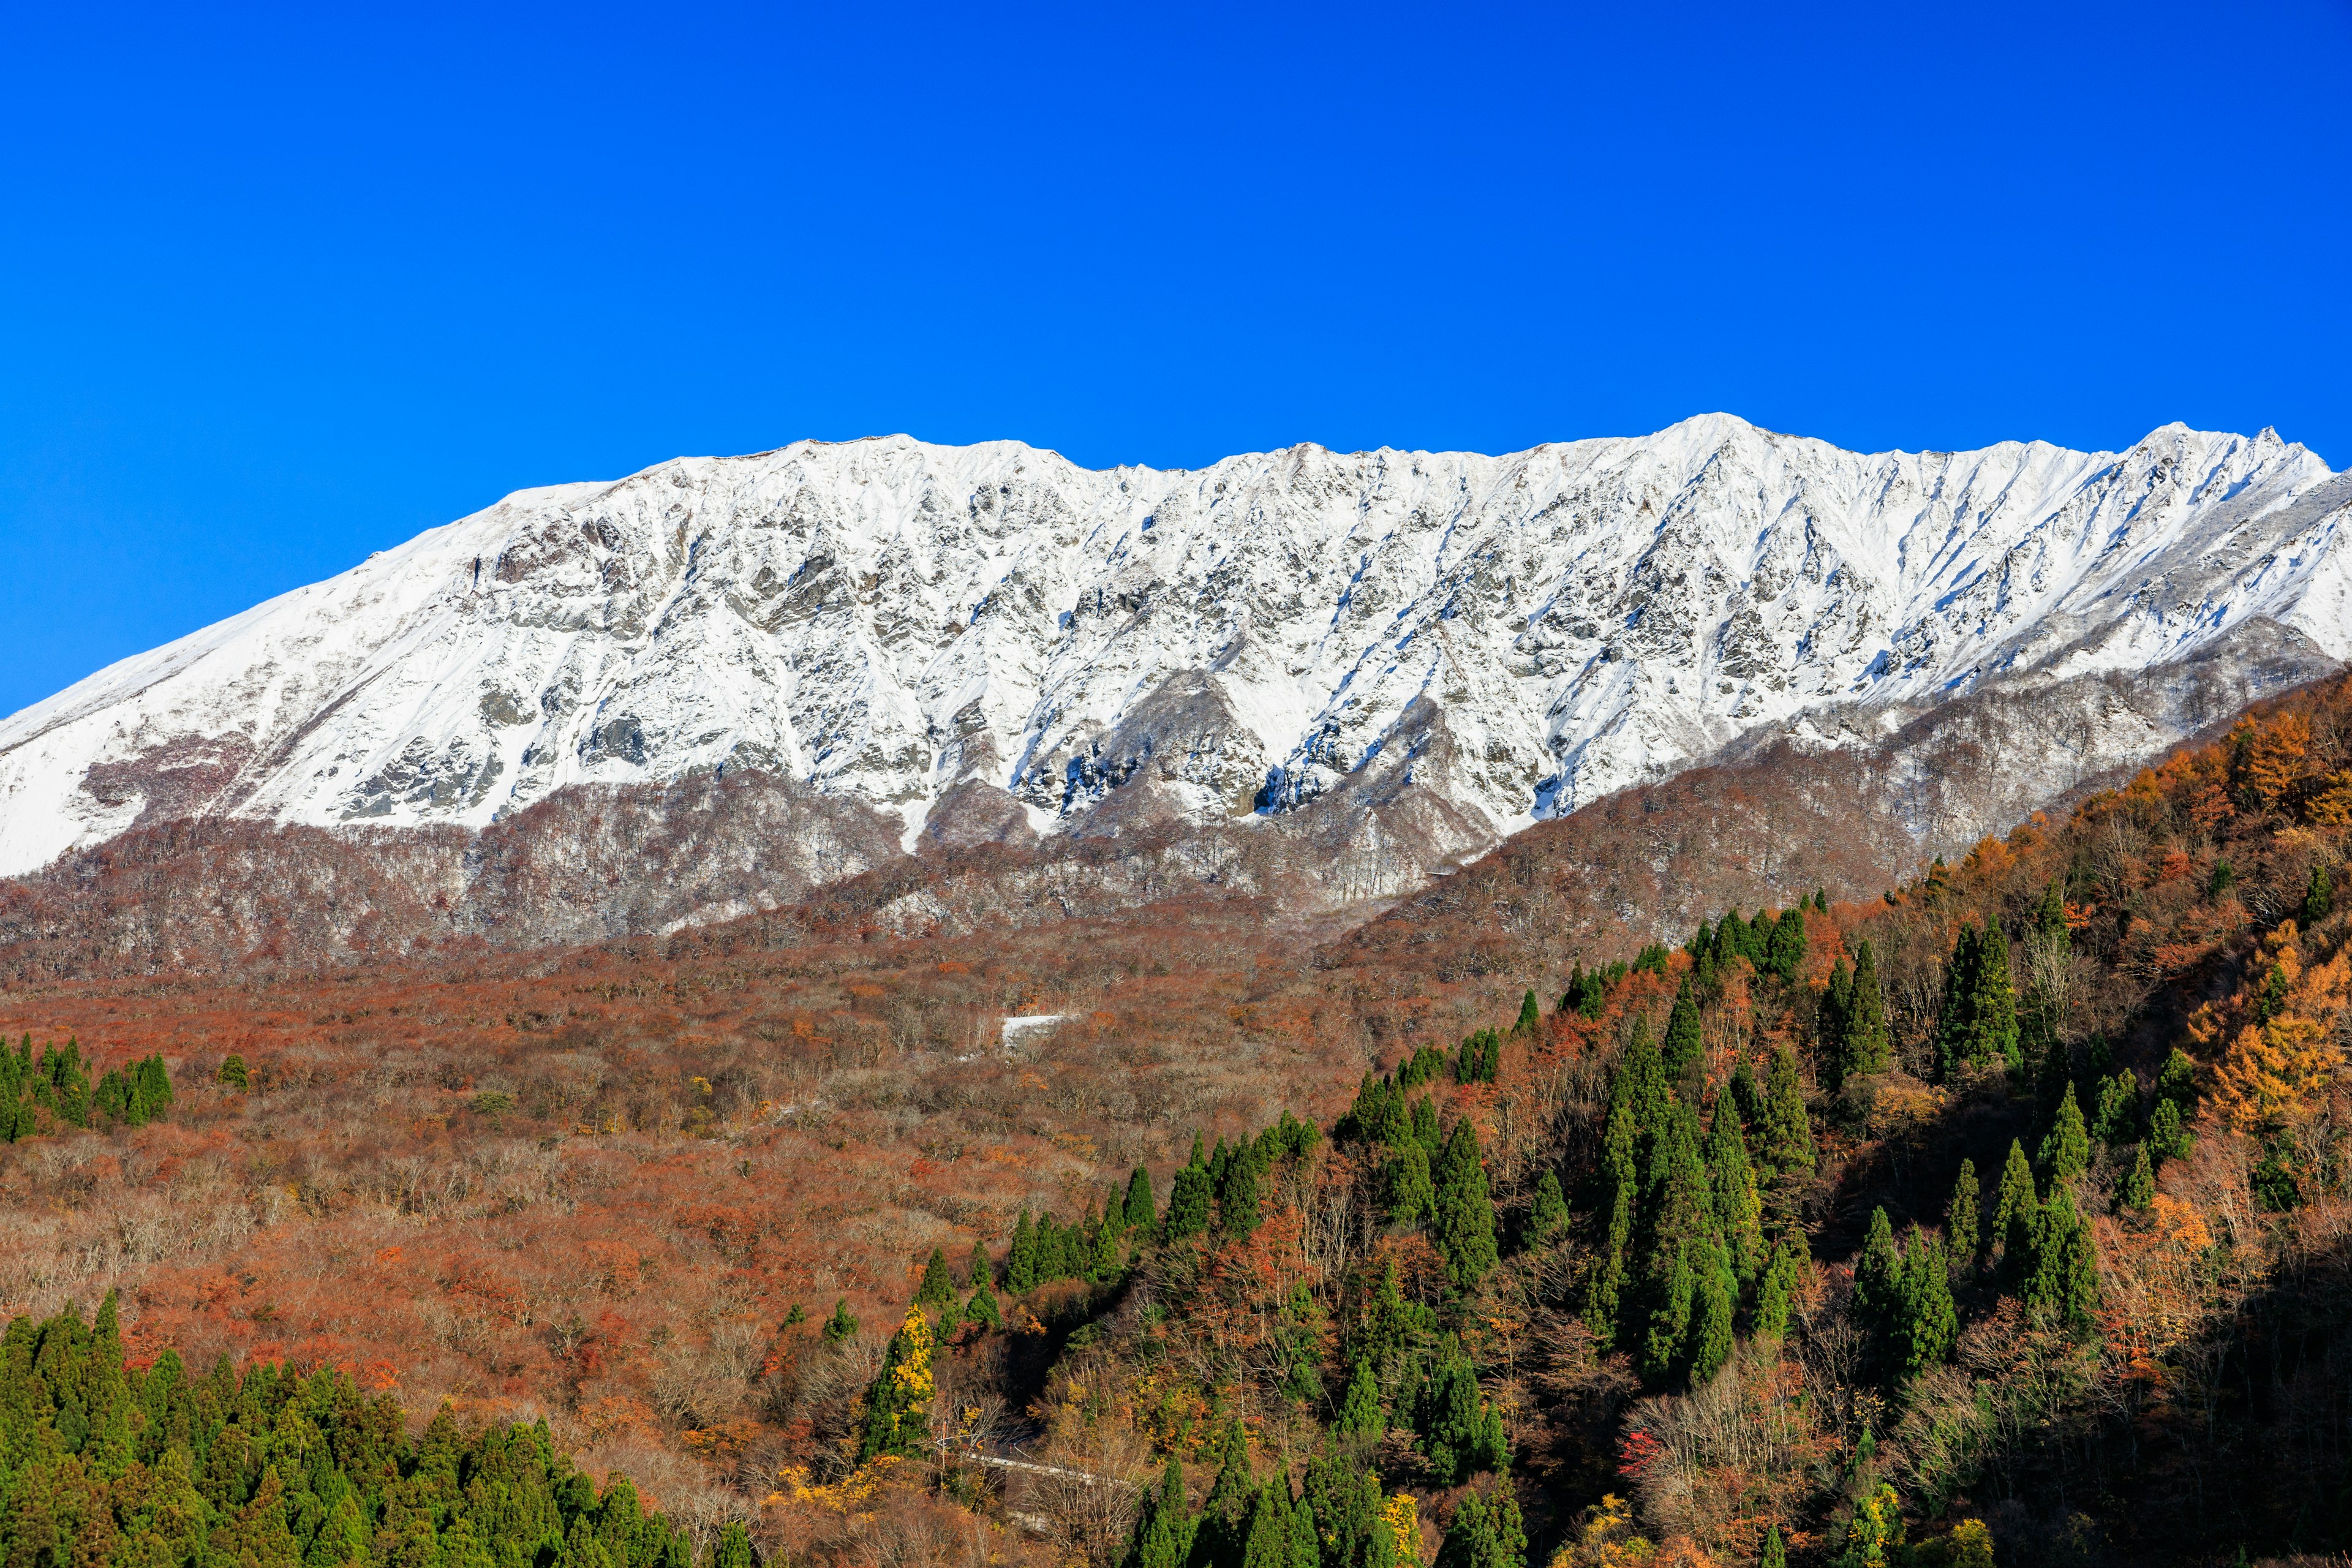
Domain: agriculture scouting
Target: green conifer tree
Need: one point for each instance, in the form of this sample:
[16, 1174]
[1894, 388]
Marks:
[1683, 1243]
[1775, 1552]
[978, 1270]
[936, 1292]
[1866, 1047]
[1784, 1280]
[2318, 897]
[1686, 1042]
[982, 1308]
[1359, 1412]
[1960, 1217]
[842, 1325]
[1993, 1036]
[2066, 1150]
[1784, 950]
[1188, 1203]
[734, 1548]
[1547, 1216]
[2166, 1136]
[1141, 1207]
[1956, 1020]
[1877, 1278]
[2062, 1275]
[1163, 1529]
[1718, 1298]
[2139, 1187]
[1220, 1536]
[899, 1401]
[1021, 1258]
[1464, 1212]
[1621, 1184]
[1530, 1017]
[2015, 1204]
[1928, 1321]
[1738, 1212]
[1411, 1193]
[1784, 1131]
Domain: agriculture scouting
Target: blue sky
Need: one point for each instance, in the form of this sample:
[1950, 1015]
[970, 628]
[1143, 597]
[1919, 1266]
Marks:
[278, 289]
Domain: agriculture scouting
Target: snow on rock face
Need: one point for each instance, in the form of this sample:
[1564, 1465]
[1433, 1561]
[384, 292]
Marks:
[891, 619]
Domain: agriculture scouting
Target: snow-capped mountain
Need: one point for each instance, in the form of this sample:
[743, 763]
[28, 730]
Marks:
[890, 619]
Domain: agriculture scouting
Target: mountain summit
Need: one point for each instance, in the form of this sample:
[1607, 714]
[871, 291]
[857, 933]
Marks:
[908, 623]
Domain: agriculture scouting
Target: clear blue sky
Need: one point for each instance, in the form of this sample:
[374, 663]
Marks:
[277, 291]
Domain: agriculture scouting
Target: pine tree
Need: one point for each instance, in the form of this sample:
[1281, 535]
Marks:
[1685, 1043]
[2049, 914]
[2062, 1275]
[1530, 1017]
[1874, 1538]
[842, 1325]
[1425, 1130]
[1719, 1298]
[1266, 1539]
[1620, 1182]
[2118, 1119]
[898, 1402]
[1866, 1047]
[1359, 1412]
[1640, 1082]
[978, 1270]
[1465, 1213]
[938, 1293]
[1955, 1020]
[1141, 1207]
[1960, 1217]
[2166, 1136]
[2139, 1187]
[2066, 1150]
[1412, 1195]
[1993, 1012]
[1785, 1134]
[2318, 897]
[982, 1308]
[233, 1072]
[1486, 1531]
[1547, 1215]
[2015, 1204]
[1784, 1280]
[1163, 1531]
[734, 1548]
[1877, 1279]
[1685, 1241]
[1219, 1537]
[1776, 1552]
[1738, 1212]
[1929, 1322]
[1021, 1258]
[1188, 1203]
[1784, 951]
[1461, 1434]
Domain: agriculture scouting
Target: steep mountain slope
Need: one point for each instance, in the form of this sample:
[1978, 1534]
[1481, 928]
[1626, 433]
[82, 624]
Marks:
[1505, 637]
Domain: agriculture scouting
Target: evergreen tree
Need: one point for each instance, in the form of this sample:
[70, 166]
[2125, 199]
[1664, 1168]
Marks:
[1837, 1002]
[1486, 1532]
[1188, 1203]
[842, 1325]
[2015, 1204]
[1775, 1552]
[1684, 1243]
[734, 1548]
[898, 1402]
[1219, 1537]
[1784, 950]
[1992, 1021]
[1021, 1259]
[1411, 1193]
[2318, 897]
[1547, 1215]
[1929, 1322]
[1874, 1538]
[1685, 1045]
[1738, 1212]
[233, 1072]
[1425, 1130]
[1461, 1434]
[2139, 1187]
[978, 1270]
[1719, 1298]
[1784, 1280]
[2166, 1136]
[2049, 914]
[1956, 1020]
[2066, 1150]
[1163, 1529]
[1266, 1541]
[1785, 1134]
[1960, 1217]
[2062, 1274]
[1620, 1182]
[1877, 1278]
[1142, 1211]
[982, 1308]
[1359, 1412]
[1866, 1047]
[2117, 1119]
[1464, 1212]
[1530, 1017]
[937, 1293]
[1640, 1082]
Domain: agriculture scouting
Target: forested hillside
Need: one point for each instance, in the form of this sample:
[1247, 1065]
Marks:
[1997, 1218]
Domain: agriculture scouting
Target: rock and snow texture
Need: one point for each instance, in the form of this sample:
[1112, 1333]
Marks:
[892, 620]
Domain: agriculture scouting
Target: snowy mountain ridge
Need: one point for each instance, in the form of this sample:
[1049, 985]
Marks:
[906, 624]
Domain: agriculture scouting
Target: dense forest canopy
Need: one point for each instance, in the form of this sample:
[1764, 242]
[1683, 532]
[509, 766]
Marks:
[1997, 1218]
